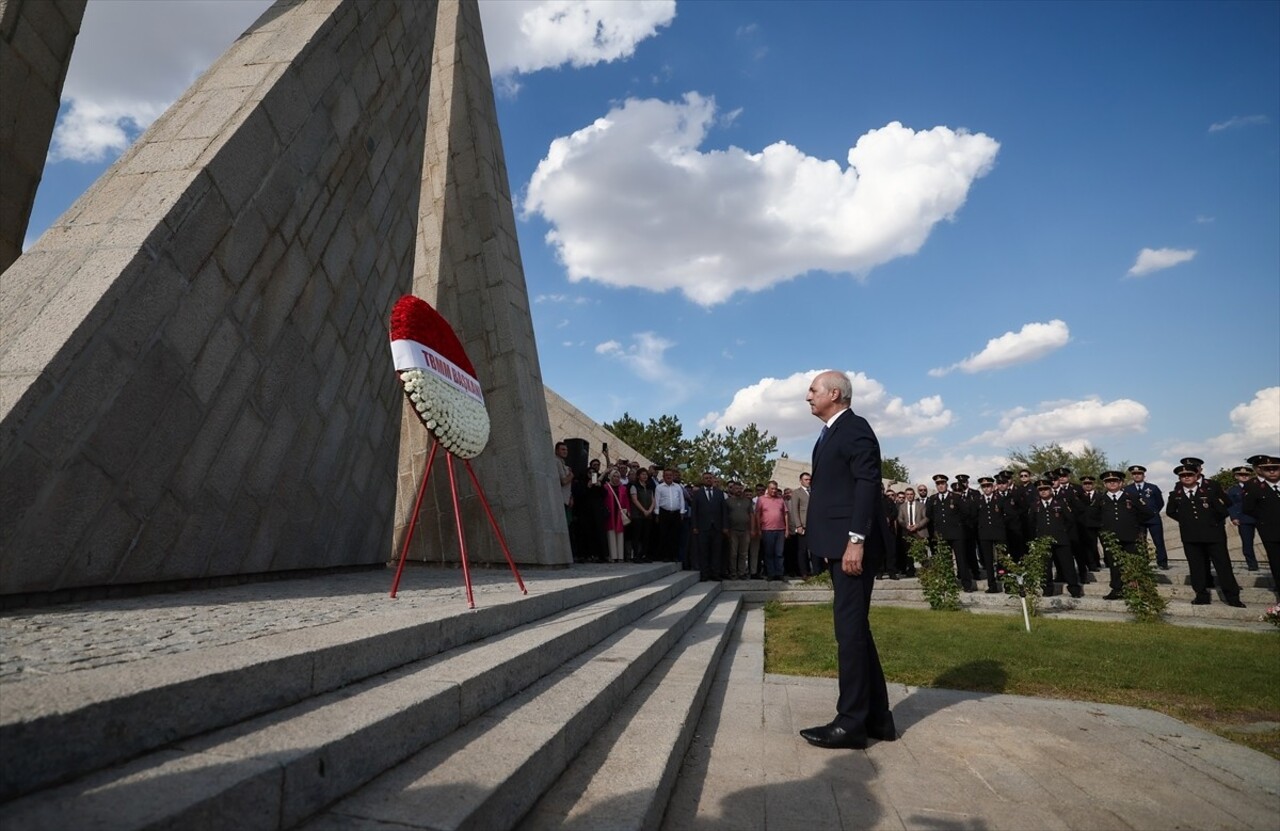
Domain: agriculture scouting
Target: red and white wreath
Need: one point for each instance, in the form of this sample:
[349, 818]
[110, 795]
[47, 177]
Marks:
[438, 377]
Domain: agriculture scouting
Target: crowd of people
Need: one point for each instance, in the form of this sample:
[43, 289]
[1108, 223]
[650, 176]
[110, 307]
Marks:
[624, 512]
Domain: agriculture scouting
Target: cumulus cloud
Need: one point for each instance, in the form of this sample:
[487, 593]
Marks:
[1156, 259]
[1255, 428]
[1067, 422]
[634, 200]
[923, 464]
[523, 36]
[1034, 340]
[778, 405]
[133, 58]
[646, 358]
[1238, 121]
[128, 67]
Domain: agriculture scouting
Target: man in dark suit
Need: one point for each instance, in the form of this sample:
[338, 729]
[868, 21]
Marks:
[948, 514]
[847, 529]
[707, 514]
[992, 529]
[1050, 516]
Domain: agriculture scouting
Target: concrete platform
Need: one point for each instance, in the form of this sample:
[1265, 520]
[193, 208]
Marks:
[963, 760]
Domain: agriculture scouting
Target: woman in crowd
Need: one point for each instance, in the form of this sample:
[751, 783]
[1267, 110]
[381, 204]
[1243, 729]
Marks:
[616, 504]
[642, 511]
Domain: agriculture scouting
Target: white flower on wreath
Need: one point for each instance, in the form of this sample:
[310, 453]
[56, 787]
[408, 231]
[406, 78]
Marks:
[457, 420]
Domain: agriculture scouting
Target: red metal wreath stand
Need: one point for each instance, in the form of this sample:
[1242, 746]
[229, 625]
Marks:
[457, 518]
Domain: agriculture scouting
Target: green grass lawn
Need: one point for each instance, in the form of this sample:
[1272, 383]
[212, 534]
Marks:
[1221, 680]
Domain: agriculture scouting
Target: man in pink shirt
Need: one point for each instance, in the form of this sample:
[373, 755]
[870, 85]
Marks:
[771, 512]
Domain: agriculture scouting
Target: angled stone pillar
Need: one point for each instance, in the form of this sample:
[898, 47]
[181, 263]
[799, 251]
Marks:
[194, 371]
[468, 266]
[36, 38]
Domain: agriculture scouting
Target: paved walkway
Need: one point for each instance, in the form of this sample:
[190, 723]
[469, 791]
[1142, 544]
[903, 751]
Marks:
[963, 760]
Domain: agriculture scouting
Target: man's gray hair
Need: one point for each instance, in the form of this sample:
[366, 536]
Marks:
[840, 382]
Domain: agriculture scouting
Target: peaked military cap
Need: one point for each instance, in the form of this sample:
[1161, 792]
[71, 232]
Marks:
[986, 480]
[1112, 476]
[1062, 471]
[1086, 480]
[962, 477]
[1044, 485]
[958, 487]
[1242, 469]
[1182, 470]
[940, 477]
[1192, 461]
[1137, 469]
[1263, 459]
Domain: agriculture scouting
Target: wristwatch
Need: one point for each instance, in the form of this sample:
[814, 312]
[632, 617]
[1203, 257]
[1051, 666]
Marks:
[855, 537]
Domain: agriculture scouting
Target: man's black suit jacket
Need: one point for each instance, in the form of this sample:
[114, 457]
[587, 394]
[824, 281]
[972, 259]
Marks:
[706, 513]
[845, 493]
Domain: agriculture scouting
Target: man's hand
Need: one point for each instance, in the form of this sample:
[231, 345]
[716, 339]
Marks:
[851, 562]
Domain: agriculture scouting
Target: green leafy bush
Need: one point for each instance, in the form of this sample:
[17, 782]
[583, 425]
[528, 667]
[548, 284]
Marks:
[1025, 577]
[937, 575]
[1137, 579]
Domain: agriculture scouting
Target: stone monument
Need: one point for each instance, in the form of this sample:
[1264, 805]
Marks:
[195, 379]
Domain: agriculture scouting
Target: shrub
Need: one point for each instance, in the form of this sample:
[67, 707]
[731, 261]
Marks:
[1137, 579]
[937, 575]
[1026, 577]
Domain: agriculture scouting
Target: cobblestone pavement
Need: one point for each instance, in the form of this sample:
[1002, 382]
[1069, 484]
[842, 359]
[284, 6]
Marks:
[59, 639]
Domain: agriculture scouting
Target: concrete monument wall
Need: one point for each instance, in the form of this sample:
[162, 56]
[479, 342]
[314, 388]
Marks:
[194, 371]
[36, 37]
[468, 266]
[568, 422]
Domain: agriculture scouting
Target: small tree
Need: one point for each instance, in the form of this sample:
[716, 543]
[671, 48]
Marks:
[1089, 462]
[1137, 579]
[893, 469]
[937, 575]
[1026, 577]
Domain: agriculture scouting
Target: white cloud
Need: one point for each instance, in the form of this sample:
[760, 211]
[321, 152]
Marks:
[1155, 259]
[1255, 428]
[128, 67]
[778, 405]
[574, 299]
[634, 201]
[133, 58]
[923, 465]
[1070, 423]
[1238, 121]
[1034, 340]
[523, 36]
[646, 358]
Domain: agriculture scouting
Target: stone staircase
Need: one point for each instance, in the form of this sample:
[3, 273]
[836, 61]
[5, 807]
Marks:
[1175, 585]
[534, 710]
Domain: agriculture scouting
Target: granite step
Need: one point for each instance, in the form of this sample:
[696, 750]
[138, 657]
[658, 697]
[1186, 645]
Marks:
[275, 770]
[61, 726]
[622, 779]
[490, 772]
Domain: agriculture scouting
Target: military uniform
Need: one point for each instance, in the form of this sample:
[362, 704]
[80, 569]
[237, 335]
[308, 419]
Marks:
[1201, 514]
[948, 513]
[1050, 516]
[1153, 500]
[989, 522]
[1123, 515]
[1261, 501]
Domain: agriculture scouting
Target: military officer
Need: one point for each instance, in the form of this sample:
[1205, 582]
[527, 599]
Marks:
[1088, 530]
[991, 528]
[1122, 514]
[1262, 502]
[1050, 516]
[947, 513]
[1153, 500]
[1201, 513]
[1243, 522]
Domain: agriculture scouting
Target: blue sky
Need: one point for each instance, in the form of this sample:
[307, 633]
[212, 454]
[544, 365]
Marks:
[1011, 223]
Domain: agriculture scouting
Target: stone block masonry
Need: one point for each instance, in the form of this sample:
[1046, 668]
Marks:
[194, 380]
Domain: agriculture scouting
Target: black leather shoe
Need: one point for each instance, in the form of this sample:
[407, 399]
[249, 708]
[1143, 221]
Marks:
[1114, 596]
[1076, 592]
[1236, 602]
[1201, 600]
[833, 737]
[993, 590]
